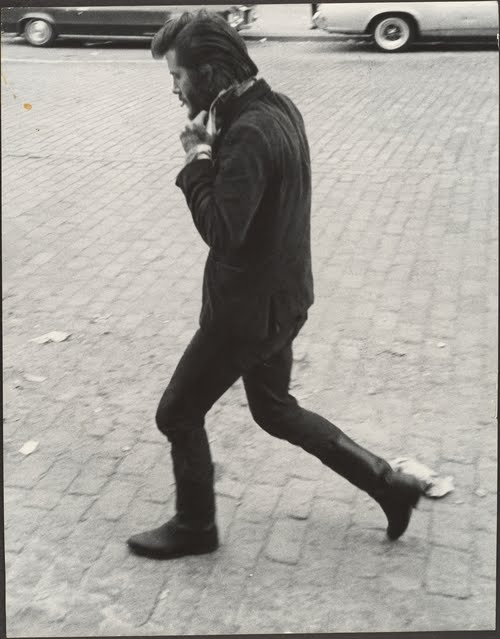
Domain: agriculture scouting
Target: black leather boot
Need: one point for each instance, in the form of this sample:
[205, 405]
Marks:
[396, 493]
[397, 498]
[173, 540]
[192, 531]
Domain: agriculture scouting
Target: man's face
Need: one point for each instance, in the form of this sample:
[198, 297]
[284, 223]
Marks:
[189, 95]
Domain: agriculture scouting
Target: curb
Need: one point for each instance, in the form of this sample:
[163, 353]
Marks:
[287, 38]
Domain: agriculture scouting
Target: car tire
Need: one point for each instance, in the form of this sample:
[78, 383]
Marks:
[393, 34]
[39, 33]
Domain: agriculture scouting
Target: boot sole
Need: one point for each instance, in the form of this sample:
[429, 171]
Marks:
[158, 554]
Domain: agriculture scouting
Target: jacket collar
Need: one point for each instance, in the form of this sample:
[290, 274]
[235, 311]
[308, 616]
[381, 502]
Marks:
[229, 103]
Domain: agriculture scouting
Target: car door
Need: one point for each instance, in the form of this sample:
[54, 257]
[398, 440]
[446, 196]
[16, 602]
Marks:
[479, 17]
[118, 20]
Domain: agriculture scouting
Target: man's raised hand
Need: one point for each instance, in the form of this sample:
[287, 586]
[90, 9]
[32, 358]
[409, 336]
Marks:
[195, 133]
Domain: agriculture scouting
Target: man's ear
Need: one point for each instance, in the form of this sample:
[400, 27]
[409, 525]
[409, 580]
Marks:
[206, 72]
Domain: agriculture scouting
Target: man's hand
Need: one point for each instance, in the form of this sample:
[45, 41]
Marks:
[195, 133]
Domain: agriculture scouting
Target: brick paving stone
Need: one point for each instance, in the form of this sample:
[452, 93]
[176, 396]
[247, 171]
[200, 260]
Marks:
[451, 523]
[484, 512]
[20, 524]
[488, 476]
[222, 594]
[181, 593]
[485, 554]
[308, 467]
[139, 594]
[296, 499]
[259, 503]
[258, 609]
[332, 486]
[368, 515]
[448, 573]
[439, 613]
[114, 500]
[327, 528]
[158, 485]
[360, 605]
[59, 523]
[142, 457]
[27, 472]
[286, 540]
[59, 476]
[276, 465]
[93, 476]
[244, 543]
[405, 573]
[230, 488]
[106, 574]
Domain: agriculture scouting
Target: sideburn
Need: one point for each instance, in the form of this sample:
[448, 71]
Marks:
[207, 91]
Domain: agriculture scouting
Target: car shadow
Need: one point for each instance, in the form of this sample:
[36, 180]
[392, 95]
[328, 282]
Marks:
[94, 42]
[365, 46]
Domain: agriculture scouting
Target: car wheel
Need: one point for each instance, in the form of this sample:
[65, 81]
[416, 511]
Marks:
[39, 33]
[393, 33]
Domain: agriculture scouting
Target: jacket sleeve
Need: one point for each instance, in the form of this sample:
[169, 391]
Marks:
[223, 200]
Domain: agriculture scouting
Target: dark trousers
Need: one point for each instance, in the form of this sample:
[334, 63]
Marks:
[210, 366]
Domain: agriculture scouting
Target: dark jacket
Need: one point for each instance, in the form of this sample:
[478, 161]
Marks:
[251, 204]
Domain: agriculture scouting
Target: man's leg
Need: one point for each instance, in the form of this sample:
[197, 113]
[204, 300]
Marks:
[206, 370]
[277, 412]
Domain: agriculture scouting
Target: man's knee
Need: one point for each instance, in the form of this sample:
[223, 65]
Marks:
[175, 416]
[271, 417]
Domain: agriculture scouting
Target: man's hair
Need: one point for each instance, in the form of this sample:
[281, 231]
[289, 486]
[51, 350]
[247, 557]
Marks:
[204, 38]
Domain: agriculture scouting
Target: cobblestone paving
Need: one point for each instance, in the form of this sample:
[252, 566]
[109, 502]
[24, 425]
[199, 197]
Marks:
[400, 351]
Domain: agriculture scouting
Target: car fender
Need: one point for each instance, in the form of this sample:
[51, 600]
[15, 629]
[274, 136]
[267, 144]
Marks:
[403, 9]
[34, 15]
[358, 18]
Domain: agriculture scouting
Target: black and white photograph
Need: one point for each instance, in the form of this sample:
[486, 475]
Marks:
[250, 318]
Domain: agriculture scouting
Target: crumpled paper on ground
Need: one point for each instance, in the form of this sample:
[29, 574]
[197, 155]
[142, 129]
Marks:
[29, 447]
[435, 486]
[54, 336]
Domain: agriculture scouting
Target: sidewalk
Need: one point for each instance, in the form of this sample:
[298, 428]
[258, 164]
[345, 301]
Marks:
[284, 23]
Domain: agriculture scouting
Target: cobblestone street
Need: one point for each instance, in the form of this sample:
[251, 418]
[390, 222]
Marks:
[400, 349]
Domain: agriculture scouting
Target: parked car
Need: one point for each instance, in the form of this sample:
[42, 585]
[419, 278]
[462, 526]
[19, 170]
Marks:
[40, 26]
[394, 26]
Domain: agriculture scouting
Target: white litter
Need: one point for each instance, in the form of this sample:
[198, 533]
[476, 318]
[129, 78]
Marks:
[29, 447]
[435, 486]
[99, 318]
[33, 378]
[54, 336]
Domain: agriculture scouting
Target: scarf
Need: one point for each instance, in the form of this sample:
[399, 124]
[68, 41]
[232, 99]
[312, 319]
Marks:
[235, 90]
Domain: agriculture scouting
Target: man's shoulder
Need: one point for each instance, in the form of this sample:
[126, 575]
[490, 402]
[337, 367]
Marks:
[264, 111]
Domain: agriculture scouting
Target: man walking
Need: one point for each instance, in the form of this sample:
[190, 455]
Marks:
[247, 183]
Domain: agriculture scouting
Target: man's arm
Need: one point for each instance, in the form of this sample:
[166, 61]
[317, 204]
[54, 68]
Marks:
[223, 202]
